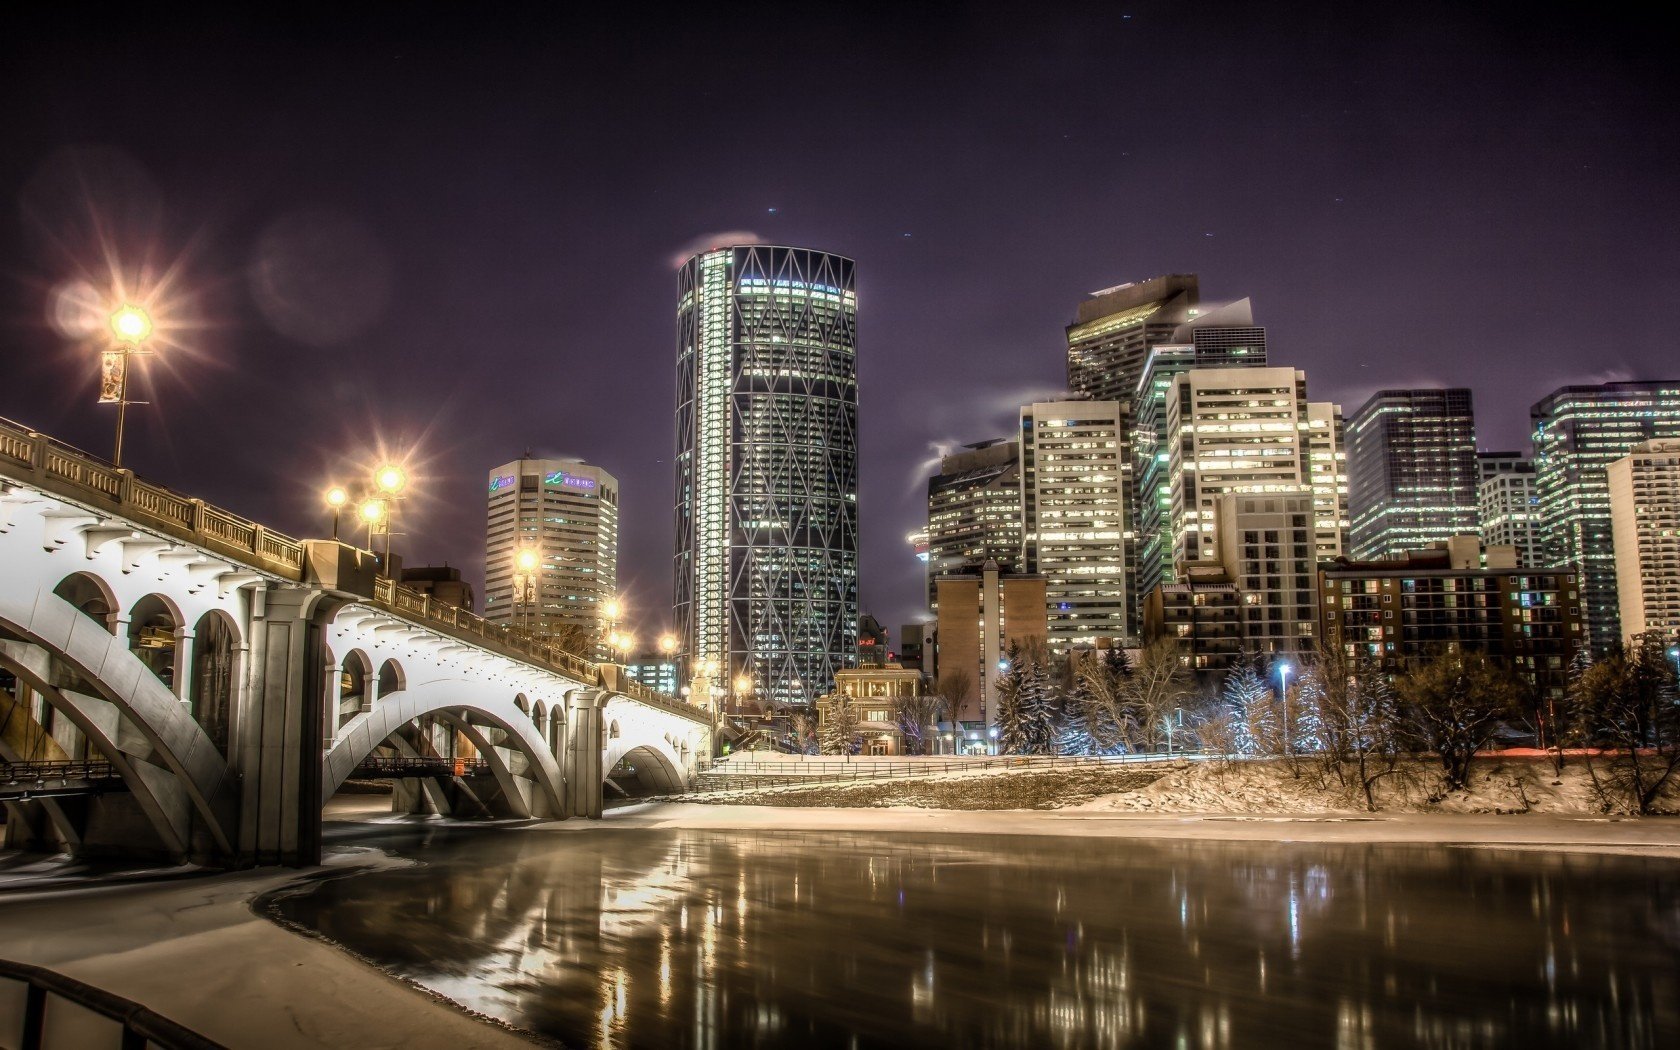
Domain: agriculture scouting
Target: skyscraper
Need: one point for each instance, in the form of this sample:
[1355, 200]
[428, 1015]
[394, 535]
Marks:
[1224, 337]
[1232, 430]
[974, 511]
[1412, 475]
[1075, 472]
[1112, 331]
[766, 467]
[566, 513]
[1327, 462]
[1509, 506]
[1645, 523]
[1578, 432]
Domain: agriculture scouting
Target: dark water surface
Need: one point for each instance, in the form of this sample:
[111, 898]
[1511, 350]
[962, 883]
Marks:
[779, 939]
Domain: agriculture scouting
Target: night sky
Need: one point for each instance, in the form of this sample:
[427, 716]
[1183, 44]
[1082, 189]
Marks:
[457, 232]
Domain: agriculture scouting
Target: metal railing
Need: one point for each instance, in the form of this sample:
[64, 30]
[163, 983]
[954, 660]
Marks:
[64, 470]
[23, 780]
[132, 1026]
[384, 768]
[727, 776]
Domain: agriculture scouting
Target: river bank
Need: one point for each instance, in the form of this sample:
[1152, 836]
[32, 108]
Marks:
[191, 947]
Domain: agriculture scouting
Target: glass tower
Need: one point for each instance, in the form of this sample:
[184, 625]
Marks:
[767, 470]
[1578, 432]
[1412, 471]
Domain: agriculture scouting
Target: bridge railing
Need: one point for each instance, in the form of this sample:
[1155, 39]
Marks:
[511, 641]
[64, 470]
[32, 1020]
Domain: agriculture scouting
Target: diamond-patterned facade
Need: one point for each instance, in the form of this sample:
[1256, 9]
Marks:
[766, 484]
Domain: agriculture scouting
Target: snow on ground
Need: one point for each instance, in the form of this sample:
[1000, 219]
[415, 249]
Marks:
[1499, 784]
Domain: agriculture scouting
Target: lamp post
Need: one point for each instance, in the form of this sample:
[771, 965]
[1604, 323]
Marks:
[610, 611]
[1288, 734]
[336, 498]
[131, 325]
[743, 685]
[525, 564]
[371, 512]
[390, 480]
[950, 743]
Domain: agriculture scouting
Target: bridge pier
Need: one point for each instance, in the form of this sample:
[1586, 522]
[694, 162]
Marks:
[280, 804]
[585, 738]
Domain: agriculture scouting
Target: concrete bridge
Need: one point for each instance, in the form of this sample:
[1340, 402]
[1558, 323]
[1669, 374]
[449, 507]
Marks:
[234, 677]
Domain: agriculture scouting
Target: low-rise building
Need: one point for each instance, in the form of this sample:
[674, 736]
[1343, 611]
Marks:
[982, 612]
[874, 693]
[1401, 612]
[1201, 617]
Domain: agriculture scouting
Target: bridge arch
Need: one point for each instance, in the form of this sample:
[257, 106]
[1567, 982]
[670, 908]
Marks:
[154, 625]
[392, 678]
[177, 777]
[539, 718]
[90, 595]
[213, 675]
[657, 765]
[532, 783]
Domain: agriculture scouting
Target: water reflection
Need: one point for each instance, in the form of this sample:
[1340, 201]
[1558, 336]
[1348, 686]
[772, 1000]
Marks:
[690, 939]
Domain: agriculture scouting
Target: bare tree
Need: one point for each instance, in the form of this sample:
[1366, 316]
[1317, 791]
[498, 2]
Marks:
[1452, 704]
[802, 733]
[916, 717]
[1626, 704]
[1128, 707]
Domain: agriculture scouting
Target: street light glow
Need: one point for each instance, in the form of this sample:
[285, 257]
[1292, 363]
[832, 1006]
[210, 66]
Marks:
[337, 497]
[612, 608]
[743, 684]
[667, 644]
[390, 478]
[372, 510]
[131, 323]
[526, 560]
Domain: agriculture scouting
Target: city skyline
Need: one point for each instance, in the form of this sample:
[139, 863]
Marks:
[497, 333]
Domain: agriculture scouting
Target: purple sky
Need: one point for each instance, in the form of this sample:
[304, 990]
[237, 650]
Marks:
[459, 234]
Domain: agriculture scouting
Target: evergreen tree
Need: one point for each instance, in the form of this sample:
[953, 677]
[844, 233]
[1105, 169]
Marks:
[1035, 703]
[1006, 704]
[1073, 729]
[1252, 711]
[840, 727]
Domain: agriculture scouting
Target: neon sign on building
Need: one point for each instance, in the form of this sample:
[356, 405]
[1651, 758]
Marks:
[564, 480]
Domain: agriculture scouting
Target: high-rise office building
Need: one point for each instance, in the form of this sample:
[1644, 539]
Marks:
[1266, 544]
[566, 513]
[1223, 337]
[1075, 473]
[1412, 474]
[1327, 465]
[767, 468]
[1232, 430]
[1645, 526]
[1578, 432]
[1509, 505]
[974, 511]
[1113, 330]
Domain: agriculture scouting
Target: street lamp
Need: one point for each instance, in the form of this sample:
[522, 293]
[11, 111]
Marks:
[131, 325]
[1288, 734]
[525, 563]
[336, 498]
[371, 512]
[993, 734]
[390, 480]
[743, 685]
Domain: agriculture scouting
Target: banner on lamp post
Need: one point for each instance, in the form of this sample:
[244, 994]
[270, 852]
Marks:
[111, 366]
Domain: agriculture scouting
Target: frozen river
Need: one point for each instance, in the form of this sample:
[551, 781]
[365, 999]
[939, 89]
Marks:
[658, 938]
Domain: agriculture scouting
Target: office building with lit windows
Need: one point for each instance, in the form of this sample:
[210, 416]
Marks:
[567, 513]
[974, 511]
[1327, 469]
[1222, 337]
[1113, 330]
[767, 468]
[1412, 473]
[1232, 430]
[1075, 474]
[1645, 525]
[1509, 505]
[1578, 432]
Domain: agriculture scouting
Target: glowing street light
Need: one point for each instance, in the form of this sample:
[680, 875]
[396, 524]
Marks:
[372, 512]
[743, 687]
[1288, 734]
[525, 562]
[389, 480]
[668, 644]
[336, 497]
[131, 326]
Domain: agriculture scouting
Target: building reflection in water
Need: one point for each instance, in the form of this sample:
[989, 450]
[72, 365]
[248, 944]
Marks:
[690, 939]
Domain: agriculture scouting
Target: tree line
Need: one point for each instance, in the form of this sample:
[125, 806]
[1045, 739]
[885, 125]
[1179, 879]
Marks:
[1337, 717]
